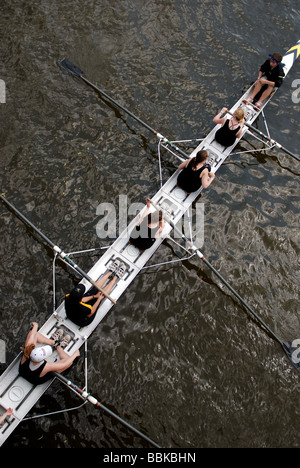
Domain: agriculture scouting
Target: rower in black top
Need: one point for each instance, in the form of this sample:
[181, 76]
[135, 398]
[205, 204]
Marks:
[270, 75]
[81, 306]
[231, 128]
[194, 173]
[147, 230]
[34, 366]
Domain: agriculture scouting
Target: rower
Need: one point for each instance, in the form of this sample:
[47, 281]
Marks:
[81, 306]
[33, 366]
[231, 128]
[147, 230]
[270, 75]
[195, 173]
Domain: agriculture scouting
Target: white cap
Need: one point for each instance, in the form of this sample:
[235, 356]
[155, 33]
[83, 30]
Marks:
[41, 353]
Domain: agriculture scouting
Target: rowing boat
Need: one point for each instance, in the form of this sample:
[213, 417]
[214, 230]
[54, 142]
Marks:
[16, 392]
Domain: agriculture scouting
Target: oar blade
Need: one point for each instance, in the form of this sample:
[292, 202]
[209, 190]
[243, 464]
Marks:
[292, 349]
[70, 67]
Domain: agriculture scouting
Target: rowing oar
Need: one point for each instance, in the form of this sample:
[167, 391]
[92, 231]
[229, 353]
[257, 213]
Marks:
[56, 249]
[266, 137]
[292, 349]
[88, 397]
[74, 70]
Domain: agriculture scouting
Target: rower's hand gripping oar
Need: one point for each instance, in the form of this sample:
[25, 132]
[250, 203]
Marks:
[56, 249]
[262, 135]
[292, 349]
[74, 70]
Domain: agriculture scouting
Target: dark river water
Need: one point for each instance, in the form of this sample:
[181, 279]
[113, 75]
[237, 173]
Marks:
[177, 357]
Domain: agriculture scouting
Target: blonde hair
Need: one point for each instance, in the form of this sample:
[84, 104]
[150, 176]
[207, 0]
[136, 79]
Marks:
[239, 114]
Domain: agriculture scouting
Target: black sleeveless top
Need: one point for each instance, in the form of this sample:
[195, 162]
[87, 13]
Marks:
[189, 180]
[142, 236]
[225, 136]
[33, 376]
[78, 311]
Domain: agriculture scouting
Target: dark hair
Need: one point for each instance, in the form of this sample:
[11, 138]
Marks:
[199, 158]
[77, 293]
[277, 57]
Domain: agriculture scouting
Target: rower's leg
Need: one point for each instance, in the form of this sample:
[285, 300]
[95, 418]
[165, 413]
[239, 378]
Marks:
[108, 287]
[266, 93]
[256, 89]
[112, 269]
[101, 281]
[43, 339]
